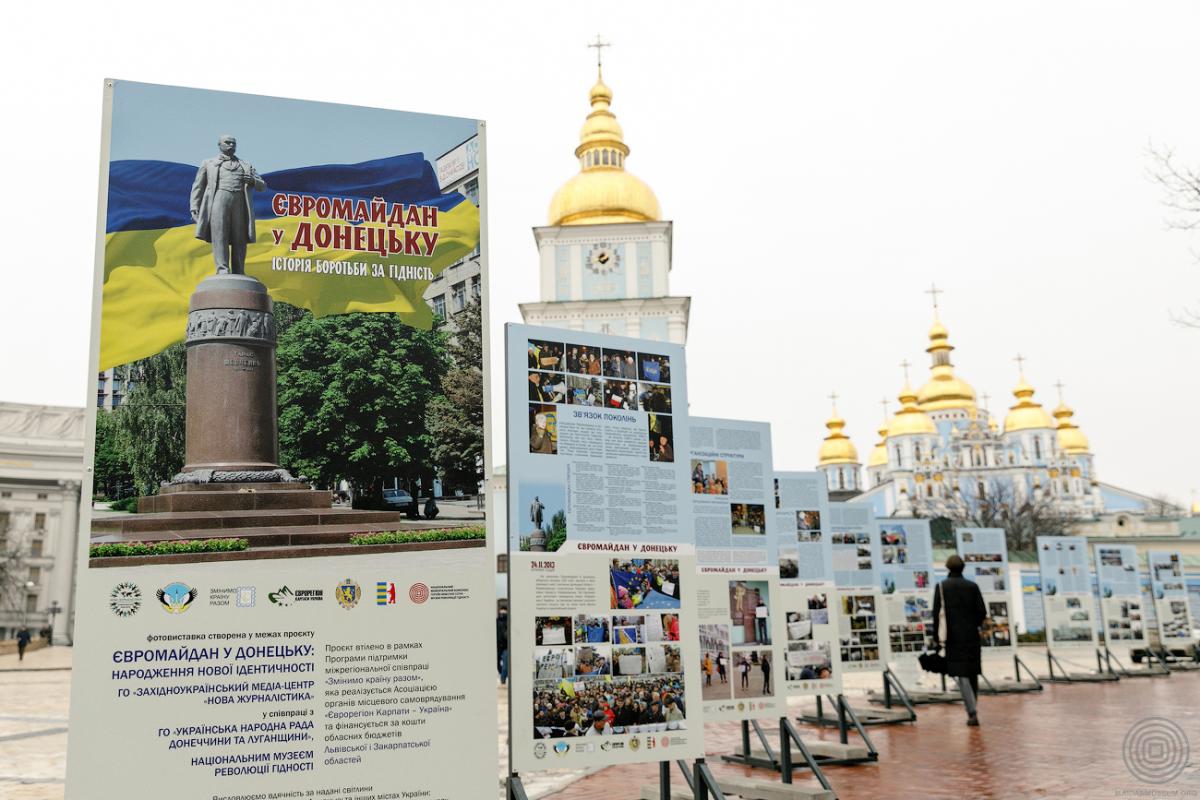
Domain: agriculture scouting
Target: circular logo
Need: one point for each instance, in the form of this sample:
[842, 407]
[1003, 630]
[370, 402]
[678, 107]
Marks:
[1155, 750]
[634, 744]
[125, 599]
[539, 750]
[418, 593]
[348, 593]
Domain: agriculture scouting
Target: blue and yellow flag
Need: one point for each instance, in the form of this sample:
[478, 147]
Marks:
[333, 239]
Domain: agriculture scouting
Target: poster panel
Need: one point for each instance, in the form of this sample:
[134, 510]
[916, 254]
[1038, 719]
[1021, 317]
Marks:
[605, 645]
[984, 552]
[602, 564]
[905, 579]
[260, 300]
[863, 643]
[741, 617]
[1169, 588]
[593, 436]
[1066, 592]
[1122, 609]
[812, 661]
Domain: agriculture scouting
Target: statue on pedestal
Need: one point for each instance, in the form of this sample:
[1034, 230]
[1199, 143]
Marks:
[537, 539]
[222, 206]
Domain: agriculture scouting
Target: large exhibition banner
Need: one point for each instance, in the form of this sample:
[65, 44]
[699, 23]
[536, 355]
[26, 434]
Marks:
[1066, 592]
[1122, 610]
[812, 662]
[984, 552]
[905, 578]
[604, 646]
[1170, 592]
[268, 624]
[856, 574]
[741, 618]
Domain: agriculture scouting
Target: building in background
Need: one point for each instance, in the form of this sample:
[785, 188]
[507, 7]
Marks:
[942, 454]
[113, 386]
[41, 471]
[460, 283]
[605, 256]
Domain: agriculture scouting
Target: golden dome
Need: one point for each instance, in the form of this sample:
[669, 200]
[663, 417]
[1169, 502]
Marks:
[603, 191]
[910, 419]
[837, 447]
[1027, 414]
[1070, 439]
[879, 456]
[944, 389]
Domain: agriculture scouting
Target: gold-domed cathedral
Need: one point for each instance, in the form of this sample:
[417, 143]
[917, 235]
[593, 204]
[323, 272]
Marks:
[944, 454]
[605, 254]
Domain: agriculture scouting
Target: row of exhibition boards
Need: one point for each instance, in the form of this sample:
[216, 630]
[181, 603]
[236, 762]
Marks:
[663, 574]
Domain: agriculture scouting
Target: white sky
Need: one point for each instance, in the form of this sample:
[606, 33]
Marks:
[822, 164]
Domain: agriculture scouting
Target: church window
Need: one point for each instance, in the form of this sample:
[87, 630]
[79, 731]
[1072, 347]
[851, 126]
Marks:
[929, 490]
[1066, 486]
[605, 158]
[979, 488]
[916, 452]
[1037, 448]
[841, 479]
[899, 457]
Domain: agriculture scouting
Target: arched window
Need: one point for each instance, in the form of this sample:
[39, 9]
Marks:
[916, 452]
[899, 457]
[841, 479]
[979, 488]
[929, 490]
[1037, 448]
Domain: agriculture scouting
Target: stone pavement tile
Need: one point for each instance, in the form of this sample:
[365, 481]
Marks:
[1065, 743]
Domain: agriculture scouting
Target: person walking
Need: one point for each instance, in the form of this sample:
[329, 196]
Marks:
[765, 665]
[23, 638]
[962, 603]
[502, 644]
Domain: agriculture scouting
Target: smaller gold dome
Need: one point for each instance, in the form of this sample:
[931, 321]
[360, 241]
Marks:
[1027, 414]
[878, 456]
[1196, 509]
[603, 192]
[910, 419]
[1070, 439]
[837, 447]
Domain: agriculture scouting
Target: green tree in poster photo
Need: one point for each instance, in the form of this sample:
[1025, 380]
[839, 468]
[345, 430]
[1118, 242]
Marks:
[353, 392]
[456, 417]
[149, 425]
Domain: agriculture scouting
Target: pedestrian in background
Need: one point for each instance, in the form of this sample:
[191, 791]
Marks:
[502, 644]
[958, 613]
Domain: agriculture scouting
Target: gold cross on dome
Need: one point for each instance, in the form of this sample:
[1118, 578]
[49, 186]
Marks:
[934, 291]
[833, 396]
[1060, 386]
[986, 400]
[1020, 359]
[599, 44]
[905, 365]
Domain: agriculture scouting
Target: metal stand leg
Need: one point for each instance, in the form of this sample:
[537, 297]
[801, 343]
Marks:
[788, 735]
[516, 791]
[664, 780]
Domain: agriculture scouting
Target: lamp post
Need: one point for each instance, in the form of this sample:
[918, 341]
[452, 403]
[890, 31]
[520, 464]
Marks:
[54, 610]
[29, 585]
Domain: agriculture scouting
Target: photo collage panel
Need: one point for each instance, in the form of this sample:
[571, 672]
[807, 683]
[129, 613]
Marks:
[562, 373]
[859, 631]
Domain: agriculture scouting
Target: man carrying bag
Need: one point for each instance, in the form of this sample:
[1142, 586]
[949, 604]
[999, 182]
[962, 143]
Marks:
[958, 613]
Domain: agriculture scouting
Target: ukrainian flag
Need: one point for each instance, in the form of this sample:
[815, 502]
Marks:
[153, 262]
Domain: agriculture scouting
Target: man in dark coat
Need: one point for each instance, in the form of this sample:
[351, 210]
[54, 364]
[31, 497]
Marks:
[965, 612]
